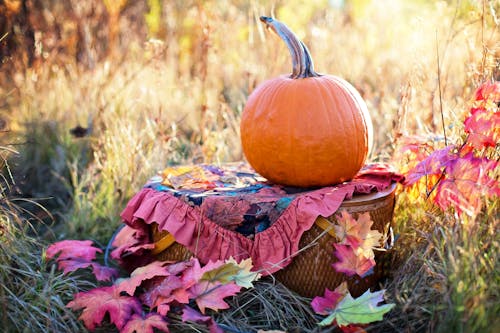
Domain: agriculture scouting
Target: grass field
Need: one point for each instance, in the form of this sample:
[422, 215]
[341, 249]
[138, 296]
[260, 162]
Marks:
[107, 93]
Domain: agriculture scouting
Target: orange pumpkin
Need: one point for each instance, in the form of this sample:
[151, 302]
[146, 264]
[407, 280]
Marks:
[305, 129]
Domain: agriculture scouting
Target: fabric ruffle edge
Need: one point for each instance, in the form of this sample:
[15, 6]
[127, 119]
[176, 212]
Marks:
[270, 250]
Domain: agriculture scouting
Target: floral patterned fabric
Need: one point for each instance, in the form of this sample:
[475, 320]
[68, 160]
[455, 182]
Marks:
[219, 212]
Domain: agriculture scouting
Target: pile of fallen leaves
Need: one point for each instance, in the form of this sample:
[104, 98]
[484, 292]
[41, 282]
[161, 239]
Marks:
[144, 299]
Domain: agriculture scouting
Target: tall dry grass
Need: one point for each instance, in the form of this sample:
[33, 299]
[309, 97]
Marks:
[178, 98]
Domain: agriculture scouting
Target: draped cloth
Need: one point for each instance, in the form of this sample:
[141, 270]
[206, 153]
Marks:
[229, 211]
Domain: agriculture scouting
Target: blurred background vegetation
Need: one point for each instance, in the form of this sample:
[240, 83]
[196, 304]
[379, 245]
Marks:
[96, 96]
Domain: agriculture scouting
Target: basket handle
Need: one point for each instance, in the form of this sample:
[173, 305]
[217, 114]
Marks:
[325, 224]
[163, 243]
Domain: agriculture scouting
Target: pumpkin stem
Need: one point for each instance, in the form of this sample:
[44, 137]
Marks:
[302, 63]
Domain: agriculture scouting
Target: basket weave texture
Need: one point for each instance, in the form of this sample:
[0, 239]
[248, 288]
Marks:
[311, 270]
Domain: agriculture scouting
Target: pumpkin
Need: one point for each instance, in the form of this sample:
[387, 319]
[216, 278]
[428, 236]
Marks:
[305, 129]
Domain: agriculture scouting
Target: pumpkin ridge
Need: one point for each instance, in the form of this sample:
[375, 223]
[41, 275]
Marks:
[329, 86]
[362, 108]
[357, 117]
[322, 91]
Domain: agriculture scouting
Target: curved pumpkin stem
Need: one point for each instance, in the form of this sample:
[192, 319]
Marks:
[301, 58]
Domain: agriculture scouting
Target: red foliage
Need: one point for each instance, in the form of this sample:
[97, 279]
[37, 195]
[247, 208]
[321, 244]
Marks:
[97, 302]
[76, 254]
[146, 324]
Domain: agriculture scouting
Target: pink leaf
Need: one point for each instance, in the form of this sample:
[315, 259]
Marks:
[75, 255]
[211, 294]
[484, 128]
[167, 289]
[434, 164]
[170, 289]
[71, 249]
[130, 241]
[325, 305]
[138, 324]
[97, 302]
[468, 180]
[140, 274]
[488, 91]
[190, 314]
[350, 263]
[103, 273]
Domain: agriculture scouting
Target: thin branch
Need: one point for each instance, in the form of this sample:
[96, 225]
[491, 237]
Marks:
[440, 93]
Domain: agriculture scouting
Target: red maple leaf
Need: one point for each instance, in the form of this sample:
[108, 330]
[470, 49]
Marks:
[71, 249]
[164, 292]
[211, 294]
[434, 164]
[99, 301]
[130, 241]
[468, 180]
[483, 127]
[325, 305]
[139, 324]
[140, 274]
[76, 254]
[488, 91]
[351, 263]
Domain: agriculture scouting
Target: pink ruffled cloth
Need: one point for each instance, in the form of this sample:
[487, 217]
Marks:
[270, 249]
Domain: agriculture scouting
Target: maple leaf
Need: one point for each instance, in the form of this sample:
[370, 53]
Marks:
[239, 273]
[97, 302]
[140, 274]
[224, 273]
[434, 164]
[211, 294]
[358, 233]
[244, 277]
[190, 314]
[130, 241]
[488, 90]
[346, 226]
[168, 290]
[468, 180]
[325, 305]
[76, 254]
[228, 212]
[361, 310]
[70, 249]
[483, 127]
[147, 324]
[350, 263]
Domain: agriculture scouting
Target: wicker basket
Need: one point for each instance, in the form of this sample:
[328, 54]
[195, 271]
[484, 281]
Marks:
[311, 270]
